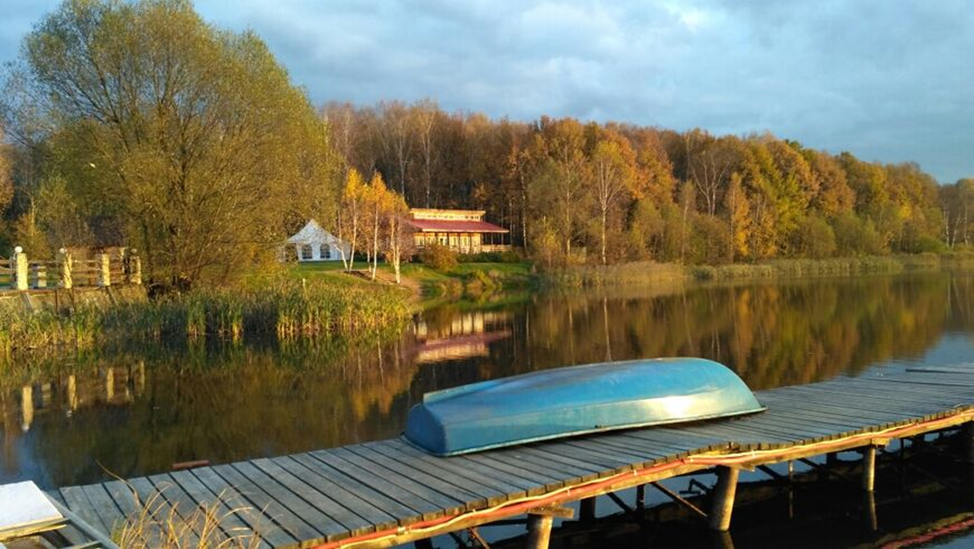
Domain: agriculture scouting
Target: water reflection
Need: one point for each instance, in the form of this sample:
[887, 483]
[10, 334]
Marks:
[138, 411]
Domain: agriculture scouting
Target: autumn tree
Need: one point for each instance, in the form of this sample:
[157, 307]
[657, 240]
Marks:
[399, 238]
[375, 202]
[197, 143]
[613, 168]
[350, 215]
[738, 217]
[709, 162]
[397, 134]
[425, 115]
[564, 141]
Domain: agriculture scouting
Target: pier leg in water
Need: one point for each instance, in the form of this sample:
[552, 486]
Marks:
[425, 543]
[723, 540]
[967, 434]
[641, 497]
[723, 504]
[868, 468]
[869, 503]
[539, 531]
[586, 511]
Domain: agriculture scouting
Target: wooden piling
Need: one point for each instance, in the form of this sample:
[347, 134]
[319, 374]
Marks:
[26, 407]
[539, 531]
[641, 497]
[586, 511]
[723, 503]
[424, 543]
[868, 468]
[967, 434]
[869, 506]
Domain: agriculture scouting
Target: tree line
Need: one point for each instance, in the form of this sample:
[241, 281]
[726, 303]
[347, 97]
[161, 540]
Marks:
[571, 191]
[138, 123]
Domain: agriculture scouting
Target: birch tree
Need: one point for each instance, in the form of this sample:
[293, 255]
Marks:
[424, 116]
[399, 239]
[375, 204]
[350, 214]
[613, 167]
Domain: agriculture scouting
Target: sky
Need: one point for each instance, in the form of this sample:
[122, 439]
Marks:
[888, 80]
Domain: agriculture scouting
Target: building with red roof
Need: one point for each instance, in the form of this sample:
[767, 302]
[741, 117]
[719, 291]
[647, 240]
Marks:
[463, 231]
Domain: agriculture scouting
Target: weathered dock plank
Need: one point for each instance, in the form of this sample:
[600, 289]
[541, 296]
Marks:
[388, 492]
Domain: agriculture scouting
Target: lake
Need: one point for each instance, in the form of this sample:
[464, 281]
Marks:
[135, 410]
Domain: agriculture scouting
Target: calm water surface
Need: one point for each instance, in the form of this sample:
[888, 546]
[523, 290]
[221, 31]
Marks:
[137, 411]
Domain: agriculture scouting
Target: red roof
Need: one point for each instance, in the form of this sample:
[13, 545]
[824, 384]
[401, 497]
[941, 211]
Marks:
[455, 226]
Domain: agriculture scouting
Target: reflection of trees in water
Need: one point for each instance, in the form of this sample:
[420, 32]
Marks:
[773, 334]
[139, 411]
[217, 403]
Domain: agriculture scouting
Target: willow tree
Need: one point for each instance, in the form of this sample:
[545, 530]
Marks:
[191, 138]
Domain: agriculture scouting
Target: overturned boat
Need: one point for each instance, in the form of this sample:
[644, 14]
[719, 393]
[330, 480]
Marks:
[576, 400]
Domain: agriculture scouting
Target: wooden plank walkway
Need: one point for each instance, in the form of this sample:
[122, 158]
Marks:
[383, 493]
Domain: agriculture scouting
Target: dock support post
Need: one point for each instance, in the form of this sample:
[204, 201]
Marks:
[641, 497]
[868, 468]
[539, 531]
[586, 511]
[425, 543]
[723, 504]
[869, 503]
[967, 434]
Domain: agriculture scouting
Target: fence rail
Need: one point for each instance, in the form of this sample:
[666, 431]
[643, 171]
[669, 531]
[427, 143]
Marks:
[20, 274]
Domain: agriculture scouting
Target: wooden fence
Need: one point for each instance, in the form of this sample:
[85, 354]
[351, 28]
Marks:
[21, 274]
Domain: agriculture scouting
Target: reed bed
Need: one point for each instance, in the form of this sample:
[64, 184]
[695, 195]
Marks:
[288, 310]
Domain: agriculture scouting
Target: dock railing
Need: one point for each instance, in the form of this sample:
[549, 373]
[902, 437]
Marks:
[64, 272]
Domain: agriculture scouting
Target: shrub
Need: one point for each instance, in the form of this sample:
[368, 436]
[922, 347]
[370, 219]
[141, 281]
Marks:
[490, 257]
[438, 257]
[814, 238]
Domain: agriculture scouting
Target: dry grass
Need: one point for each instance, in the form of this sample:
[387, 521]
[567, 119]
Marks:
[222, 523]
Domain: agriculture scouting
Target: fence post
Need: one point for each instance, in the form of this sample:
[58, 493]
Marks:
[64, 268]
[134, 268]
[104, 271]
[19, 264]
[40, 275]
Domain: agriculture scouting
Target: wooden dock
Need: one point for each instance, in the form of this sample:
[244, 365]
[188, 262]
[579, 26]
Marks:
[385, 493]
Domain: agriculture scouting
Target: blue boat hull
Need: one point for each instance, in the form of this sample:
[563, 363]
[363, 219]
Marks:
[576, 400]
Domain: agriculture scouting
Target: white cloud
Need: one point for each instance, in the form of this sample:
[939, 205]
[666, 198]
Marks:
[885, 79]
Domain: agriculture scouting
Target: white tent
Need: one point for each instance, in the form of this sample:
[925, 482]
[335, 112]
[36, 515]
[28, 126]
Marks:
[313, 243]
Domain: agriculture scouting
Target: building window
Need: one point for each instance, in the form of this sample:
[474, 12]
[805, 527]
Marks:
[325, 251]
[305, 252]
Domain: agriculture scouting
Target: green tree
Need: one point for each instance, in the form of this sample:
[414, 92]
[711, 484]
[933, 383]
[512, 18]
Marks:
[814, 238]
[200, 147]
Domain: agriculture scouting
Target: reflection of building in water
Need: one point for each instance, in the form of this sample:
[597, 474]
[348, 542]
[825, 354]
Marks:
[68, 393]
[457, 347]
[463, 335]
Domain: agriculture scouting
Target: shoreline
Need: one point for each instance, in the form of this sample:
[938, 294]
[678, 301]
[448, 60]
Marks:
[305, 302]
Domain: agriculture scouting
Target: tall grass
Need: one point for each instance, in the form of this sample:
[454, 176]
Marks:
[288, 310]
[218, 524]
